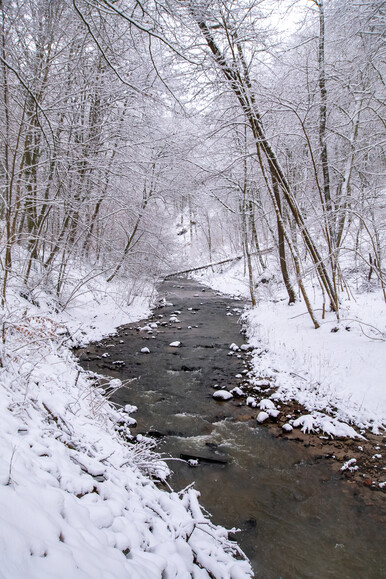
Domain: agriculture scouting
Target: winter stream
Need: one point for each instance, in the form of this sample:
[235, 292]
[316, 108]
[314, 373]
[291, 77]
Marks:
[296, 518]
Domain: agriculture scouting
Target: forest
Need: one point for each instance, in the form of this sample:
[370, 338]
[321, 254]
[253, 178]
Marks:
[252, 124]
[222, 138]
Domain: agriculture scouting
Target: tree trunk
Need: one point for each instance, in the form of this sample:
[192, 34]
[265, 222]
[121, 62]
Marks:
[242, 88]
[281, 243]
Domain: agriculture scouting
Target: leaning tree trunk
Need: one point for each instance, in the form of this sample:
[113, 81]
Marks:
[242, 87]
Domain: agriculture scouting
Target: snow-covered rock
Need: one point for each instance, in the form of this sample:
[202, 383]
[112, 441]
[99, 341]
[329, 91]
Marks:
[269, 407]
[222, 395]
[145, 350]
[130, 408]
[245, 347]
[262, 416]
[175, 344]
[266, 404]
[274, 412]
[146, 328]
[350, 465]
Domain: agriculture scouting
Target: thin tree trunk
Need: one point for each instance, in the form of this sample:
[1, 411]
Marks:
[281, 242]
[8, 193]
[130, 240]
[255, 238]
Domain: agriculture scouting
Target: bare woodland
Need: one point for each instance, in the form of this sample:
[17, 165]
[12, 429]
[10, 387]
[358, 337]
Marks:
[237, 125]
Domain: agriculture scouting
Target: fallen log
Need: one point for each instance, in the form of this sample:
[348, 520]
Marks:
[209, 459]
[213, 264]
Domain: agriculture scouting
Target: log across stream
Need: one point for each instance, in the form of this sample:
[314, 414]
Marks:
[296, 518]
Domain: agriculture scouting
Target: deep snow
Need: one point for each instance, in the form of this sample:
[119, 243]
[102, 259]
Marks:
[76, 499]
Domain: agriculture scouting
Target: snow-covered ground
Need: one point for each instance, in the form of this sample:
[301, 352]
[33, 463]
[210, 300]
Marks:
[80, 498]
[339, 368]
[76, 500]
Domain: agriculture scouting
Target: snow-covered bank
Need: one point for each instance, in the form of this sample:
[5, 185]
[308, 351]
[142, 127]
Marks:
[76, 499]
[339, 368]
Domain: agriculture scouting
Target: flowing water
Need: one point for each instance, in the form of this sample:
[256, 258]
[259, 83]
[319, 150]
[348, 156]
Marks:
[296, 519]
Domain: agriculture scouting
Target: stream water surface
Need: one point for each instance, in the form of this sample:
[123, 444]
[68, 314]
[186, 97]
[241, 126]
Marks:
[296, 518]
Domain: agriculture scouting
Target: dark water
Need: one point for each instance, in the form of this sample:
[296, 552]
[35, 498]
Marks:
[296, 519]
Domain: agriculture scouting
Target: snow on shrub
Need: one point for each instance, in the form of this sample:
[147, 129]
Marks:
[319, 422]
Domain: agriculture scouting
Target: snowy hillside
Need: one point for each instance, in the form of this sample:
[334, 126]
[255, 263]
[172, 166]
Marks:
[76, 499]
